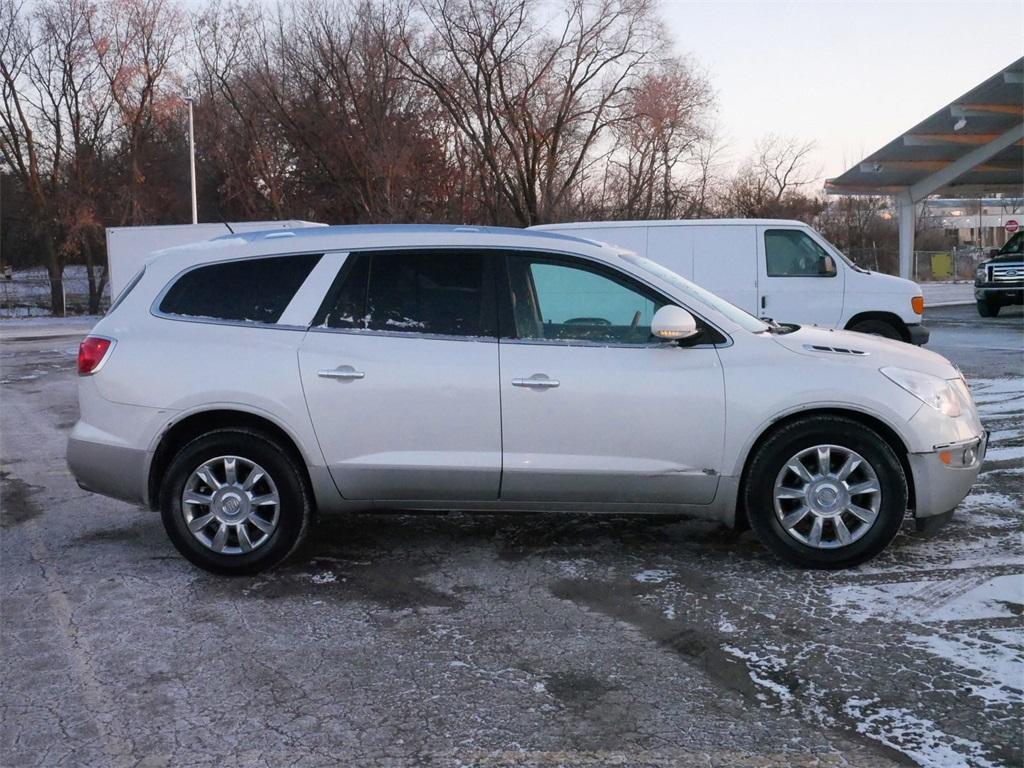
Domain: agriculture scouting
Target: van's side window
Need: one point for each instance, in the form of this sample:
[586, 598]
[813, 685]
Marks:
[563, 300]
[792, 253]
[247, 290]
[436, 292]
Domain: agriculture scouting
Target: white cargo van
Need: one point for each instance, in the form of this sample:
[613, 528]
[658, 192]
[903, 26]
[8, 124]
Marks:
[772, 268]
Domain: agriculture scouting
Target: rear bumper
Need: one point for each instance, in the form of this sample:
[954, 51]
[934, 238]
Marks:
[940, 487]
[918, 334]
[111, 470]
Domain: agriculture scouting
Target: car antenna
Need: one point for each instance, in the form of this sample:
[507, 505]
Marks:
[224, 221]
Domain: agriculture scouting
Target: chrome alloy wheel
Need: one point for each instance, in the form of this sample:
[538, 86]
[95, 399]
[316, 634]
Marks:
[827, 496]
[231, 505]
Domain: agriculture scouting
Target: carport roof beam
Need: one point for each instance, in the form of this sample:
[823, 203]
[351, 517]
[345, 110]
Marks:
[974, 144]
[971, 160]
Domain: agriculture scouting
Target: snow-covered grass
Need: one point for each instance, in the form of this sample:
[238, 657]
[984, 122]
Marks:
[27, 294]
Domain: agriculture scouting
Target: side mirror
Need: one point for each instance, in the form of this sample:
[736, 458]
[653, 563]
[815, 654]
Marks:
[830, 266]
[673, 323]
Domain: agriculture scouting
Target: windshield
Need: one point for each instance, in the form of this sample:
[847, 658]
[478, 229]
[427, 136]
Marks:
[731, 311]
[1015, 245]
[842, 256]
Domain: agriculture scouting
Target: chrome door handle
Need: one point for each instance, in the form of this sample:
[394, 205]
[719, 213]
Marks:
[535, 382]
[344, 372]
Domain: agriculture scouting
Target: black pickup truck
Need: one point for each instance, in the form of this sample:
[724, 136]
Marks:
[999, 281]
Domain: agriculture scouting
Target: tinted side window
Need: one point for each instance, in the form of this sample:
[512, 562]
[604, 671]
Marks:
[445, 293]
[559, 300]
[249, 290]
[792, 253]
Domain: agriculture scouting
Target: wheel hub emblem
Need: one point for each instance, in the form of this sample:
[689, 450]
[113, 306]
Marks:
[231, 504]
[827, 496]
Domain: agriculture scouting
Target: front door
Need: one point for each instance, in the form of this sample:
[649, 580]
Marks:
[799, 281]
[400, 373]
[594, 409]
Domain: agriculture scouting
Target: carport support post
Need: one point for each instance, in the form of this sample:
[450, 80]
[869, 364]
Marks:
[906, 221]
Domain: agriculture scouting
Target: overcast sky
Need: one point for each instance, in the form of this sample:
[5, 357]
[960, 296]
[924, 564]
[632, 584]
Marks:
[849, 75]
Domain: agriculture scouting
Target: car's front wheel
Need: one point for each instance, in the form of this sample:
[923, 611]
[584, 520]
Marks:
[826, 492]
[233, 501]
[877, 327]
[988, 307]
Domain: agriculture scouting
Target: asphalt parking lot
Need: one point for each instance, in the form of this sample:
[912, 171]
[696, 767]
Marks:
[541, 640]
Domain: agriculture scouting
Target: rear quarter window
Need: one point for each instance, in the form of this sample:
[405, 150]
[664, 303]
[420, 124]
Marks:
[248, 291]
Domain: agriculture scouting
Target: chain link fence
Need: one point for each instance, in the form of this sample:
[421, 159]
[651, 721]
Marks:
[953, 265]
[26, 293]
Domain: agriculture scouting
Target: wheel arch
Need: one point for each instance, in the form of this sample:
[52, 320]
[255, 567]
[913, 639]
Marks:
[197, 423]
[890, 318]
[886, 432]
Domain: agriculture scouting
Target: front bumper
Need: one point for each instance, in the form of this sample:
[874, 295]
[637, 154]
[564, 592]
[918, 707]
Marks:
[939, 487]
[1008, 294]
[918, 334]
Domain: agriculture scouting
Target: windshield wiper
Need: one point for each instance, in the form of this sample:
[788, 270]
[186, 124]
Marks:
[776, 327]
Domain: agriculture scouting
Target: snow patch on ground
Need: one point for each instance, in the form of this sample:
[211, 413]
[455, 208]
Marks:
[915, 737]
[653, 576]
[967, 597]
[995, 658]
[761, 668]
[324, 577]
[1009, 453]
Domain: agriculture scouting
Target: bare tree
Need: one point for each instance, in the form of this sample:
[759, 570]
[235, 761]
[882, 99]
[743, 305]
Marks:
[242, 142]
[532, 90]
[659, 144]
[137, 42]
[771, 182]
[54, 118]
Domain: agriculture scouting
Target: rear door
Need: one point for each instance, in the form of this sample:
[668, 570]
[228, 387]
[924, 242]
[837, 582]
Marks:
[400, 373]
[799, 280]
[593, 409]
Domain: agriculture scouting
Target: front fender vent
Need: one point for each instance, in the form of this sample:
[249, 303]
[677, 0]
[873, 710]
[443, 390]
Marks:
[835, 350]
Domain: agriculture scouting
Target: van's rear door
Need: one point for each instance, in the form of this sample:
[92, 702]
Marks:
[798, 280]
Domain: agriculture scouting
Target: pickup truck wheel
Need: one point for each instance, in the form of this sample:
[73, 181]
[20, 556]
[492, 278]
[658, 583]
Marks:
[988, 307]
[233, 502]
[826, 492]
[877, 328]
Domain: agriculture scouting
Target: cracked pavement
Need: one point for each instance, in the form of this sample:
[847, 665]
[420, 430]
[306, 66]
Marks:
[505, 640]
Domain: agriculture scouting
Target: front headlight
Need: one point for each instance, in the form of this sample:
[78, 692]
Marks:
[980, 275]
[930, 390]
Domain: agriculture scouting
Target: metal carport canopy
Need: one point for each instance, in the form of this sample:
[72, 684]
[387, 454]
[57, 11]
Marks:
[972, 146]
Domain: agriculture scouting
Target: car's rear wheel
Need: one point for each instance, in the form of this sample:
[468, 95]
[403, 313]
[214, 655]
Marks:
[988, 307]
[878, 327]
[826, 492]
[233, 502]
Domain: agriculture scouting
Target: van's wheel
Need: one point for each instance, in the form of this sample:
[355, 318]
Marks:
[988, 307]
[877, 328]
[826, 492]
[235, 502]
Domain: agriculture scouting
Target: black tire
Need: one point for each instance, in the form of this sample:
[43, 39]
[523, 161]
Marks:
[295, 508]
[878, 327]
[988, 307]
[780, 447]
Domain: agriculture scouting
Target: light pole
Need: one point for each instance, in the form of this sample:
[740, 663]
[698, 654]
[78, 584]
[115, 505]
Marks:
[192, 159]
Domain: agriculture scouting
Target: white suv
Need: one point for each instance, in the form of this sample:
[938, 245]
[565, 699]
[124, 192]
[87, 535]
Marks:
[246, 384]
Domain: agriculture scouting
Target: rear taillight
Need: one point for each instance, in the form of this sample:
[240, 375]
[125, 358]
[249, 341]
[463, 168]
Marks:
[91, 353]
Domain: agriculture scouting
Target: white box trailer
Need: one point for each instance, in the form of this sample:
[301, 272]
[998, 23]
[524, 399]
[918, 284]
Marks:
[129, 247]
